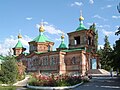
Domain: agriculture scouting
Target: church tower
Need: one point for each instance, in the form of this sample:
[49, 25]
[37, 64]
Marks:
[41, 43]
[83, 38]
[62, 46]
[18, 49]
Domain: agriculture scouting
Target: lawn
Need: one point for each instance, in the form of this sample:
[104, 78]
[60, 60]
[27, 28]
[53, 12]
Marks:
[7, 88]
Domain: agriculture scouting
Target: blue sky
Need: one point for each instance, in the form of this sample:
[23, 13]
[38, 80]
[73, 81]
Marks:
[58, 16]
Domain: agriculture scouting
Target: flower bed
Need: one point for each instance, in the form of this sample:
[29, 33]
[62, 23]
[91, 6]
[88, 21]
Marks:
[55, 81]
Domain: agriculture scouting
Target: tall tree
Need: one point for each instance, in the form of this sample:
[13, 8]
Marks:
[9, 70]
[116, 51]
[107, 47]
[105, 55]
[116, 55]
[118, 32]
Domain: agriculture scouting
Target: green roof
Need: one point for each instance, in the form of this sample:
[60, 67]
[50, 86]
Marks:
[81, 27]
[71, 50]
[19, 44]
[41, 38]
[62, 45]
[25, 53]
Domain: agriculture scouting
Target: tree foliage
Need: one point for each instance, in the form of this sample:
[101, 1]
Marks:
[105, 54]
[116, 52]
[8, 70]
[118, 8]
[118, 32]
[116, 55]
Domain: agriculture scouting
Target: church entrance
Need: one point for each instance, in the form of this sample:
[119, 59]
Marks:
[94, 64]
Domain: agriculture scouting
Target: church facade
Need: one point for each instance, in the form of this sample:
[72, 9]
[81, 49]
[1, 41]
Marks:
[79, 57]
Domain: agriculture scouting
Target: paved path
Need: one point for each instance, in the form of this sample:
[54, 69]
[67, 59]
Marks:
[23, 82]
[101, 83]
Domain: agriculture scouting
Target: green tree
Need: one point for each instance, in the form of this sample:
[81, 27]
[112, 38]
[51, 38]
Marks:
[9, 70]
[105, 54]
[118, 32]
[116, 55]
[116, 52]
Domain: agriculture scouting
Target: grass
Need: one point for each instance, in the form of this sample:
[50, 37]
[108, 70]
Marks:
[12, 88]
[7, 88]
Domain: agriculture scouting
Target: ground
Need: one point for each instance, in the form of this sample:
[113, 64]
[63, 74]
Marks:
[101, 83]
[97, 83]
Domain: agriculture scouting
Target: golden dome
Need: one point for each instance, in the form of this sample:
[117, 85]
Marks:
[41, 29]
[81, 18]
[62, 37]
[19, 36]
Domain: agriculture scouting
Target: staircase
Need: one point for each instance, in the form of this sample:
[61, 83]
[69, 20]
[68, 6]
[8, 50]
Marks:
[98, 72]
[103, 71]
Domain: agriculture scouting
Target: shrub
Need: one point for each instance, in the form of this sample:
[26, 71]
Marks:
[54, 80]
[9, 70]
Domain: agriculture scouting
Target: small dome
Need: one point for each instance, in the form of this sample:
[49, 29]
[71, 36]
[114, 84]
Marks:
[81, 18]
[19, 36]
[62, 37]
[41, 29]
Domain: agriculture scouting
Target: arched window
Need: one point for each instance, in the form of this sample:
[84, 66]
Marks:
[48, 47]
[73, 60]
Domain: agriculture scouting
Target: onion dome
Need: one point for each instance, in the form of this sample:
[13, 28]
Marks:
[41, 29]
[41, 37]
[19, 36]
[81, 26]
[62, 45]
[19, 44]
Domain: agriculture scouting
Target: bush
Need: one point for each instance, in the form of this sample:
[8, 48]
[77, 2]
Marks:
[32, 81]
[55, 81]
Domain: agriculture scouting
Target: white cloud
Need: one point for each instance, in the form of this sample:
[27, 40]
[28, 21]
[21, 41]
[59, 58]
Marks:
[108, 6]
[29, 18]
[58, 39]
[10, 42]
[99, 17]
[107, 26]
[50, 29]
[103, 26]
[91, 1]
[108, 33]
[116, 17]
[89, 24]
[77, 4]
[117, 26]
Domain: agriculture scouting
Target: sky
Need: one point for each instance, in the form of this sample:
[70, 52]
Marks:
[25, 16]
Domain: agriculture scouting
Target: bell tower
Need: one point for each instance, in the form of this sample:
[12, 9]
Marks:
[83, 38]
